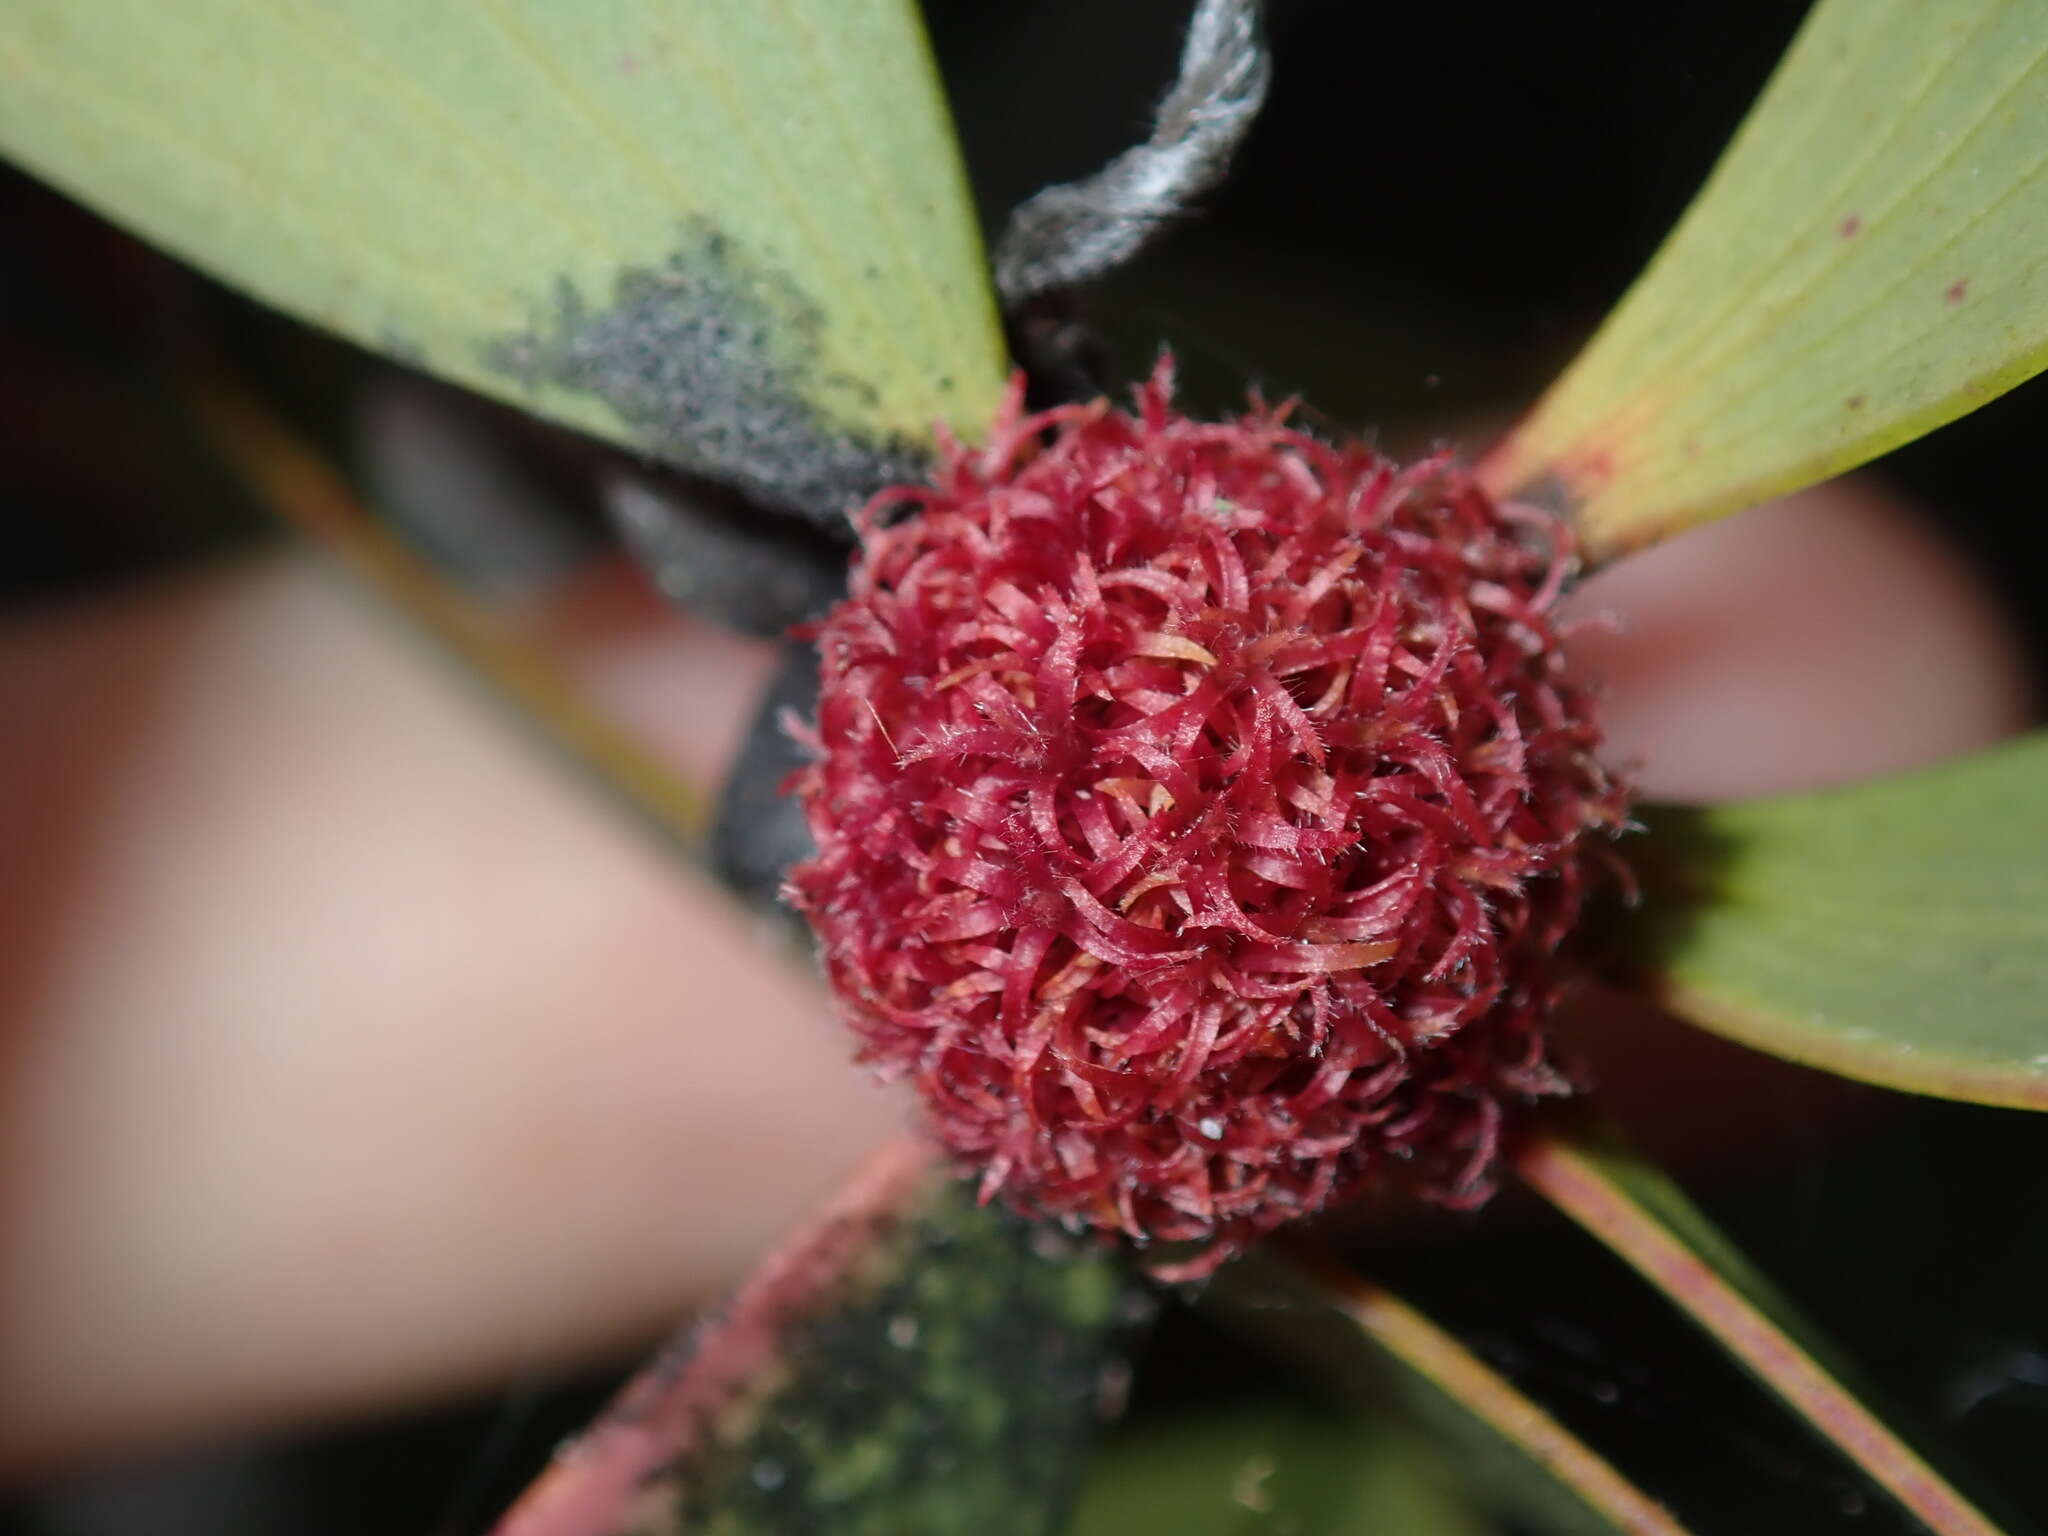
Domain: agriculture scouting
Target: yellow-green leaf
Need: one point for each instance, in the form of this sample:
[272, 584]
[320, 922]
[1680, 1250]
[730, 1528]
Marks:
[1896, 931]
[733, 234]
[1868, 261]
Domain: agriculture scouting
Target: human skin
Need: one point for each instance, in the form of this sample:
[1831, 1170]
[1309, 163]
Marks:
[352, 1053]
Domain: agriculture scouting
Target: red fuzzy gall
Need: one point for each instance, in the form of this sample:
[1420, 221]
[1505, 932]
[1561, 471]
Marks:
[1199, 808]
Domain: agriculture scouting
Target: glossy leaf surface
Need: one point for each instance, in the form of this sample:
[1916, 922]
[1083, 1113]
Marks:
[1895, 931]
[1309, 1307]
[733, 234]
[1868, 261]
[1638, 1212]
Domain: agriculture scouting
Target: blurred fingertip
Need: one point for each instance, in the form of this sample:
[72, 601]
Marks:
[1829, 637]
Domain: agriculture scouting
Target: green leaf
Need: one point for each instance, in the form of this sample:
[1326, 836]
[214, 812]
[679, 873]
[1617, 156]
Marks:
[1868, 261]
[914, 1362]
[1248, 1467]
[733, 234]
[1632, 1207]
[1896, 931]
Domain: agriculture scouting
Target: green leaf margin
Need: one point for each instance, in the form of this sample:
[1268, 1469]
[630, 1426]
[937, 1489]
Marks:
[1868, 261]
[1894, 931]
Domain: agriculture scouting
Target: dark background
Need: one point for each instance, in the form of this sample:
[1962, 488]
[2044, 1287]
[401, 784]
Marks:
[1440, 202]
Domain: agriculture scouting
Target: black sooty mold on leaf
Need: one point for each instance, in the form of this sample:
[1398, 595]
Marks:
[950, 1384]
[712, 361]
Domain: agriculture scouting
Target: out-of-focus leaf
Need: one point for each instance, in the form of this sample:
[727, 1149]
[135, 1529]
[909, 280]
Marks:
[293, 483]
[1868, 261]
[733, 234]
[1245, 1468]
[914, 1362]
[1637, 1211]
[1895, 931]
[1305, 1305]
